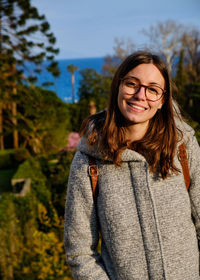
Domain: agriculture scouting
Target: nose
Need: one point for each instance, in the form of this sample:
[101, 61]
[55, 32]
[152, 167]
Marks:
[141, 93]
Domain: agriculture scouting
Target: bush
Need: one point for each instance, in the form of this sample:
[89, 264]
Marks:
[57, 177]
[6, 159]
[12, 157]
[31, 169]
[31, 232]
[5, 179]
[25, 170]
[45, 125]
[20, 155]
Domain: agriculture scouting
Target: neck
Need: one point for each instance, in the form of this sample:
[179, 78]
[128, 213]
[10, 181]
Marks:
[136, 132]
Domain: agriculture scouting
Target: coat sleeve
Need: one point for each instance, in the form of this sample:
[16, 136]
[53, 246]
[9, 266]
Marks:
[81, 234]
[194, 190]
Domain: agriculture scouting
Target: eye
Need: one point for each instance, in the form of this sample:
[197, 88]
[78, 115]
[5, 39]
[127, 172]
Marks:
[130, 83]
[153, 90]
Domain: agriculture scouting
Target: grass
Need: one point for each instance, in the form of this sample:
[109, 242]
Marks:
[5, 179]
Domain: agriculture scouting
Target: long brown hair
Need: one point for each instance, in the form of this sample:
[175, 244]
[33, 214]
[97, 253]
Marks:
[108, 130]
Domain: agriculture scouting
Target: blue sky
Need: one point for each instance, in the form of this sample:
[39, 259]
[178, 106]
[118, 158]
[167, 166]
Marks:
[87, 28]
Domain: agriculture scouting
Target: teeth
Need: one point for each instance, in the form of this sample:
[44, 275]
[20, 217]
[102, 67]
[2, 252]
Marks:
[137, 107]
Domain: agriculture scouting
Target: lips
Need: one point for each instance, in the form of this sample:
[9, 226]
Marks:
[138, 107]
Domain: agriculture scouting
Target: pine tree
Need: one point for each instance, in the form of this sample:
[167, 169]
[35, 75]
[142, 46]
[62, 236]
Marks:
[25, 44]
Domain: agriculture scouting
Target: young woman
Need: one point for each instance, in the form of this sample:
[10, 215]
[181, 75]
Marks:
[147, 220]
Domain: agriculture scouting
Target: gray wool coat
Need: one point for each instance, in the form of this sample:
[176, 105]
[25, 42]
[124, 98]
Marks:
[149, 226]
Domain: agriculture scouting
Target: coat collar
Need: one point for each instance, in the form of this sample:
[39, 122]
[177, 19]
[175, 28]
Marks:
[127, 155]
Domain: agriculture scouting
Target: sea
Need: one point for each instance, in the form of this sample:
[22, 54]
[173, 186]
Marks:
[62, 85]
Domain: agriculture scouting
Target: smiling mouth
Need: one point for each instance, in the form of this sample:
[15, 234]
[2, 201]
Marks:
[136, 106]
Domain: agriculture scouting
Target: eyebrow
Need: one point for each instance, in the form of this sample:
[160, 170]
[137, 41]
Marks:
[151, 83]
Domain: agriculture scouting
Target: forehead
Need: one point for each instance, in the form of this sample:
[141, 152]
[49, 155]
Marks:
[147, 73]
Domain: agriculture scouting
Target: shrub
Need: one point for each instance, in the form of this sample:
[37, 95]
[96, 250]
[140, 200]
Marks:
[12, 157]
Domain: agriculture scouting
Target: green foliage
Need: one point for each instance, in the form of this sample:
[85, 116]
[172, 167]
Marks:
[57, 176]
[20, 155]
[19, 22]
[27, 249]
[188, 82]
[10, 235]
[22, 30]
[31, 232]
[44, 120]
[43, 259]
[24, 207]
[31, 169]
[188, 97]
[181, 79]
[25, 169]
[5, 179]
[77, 113]
[5, 201]
[72, 68]
[12, 157]
[94, 87]
[6, 158]
[192, 93]
[196, 126]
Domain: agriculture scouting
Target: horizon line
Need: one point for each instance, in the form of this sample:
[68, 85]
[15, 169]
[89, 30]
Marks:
[78, 58]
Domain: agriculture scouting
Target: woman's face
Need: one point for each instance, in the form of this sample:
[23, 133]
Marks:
[135, 108]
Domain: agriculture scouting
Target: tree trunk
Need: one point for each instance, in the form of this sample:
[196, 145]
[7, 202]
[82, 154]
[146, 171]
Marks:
[73, 93]
[14, 121]
[1, 128]
[14, 116]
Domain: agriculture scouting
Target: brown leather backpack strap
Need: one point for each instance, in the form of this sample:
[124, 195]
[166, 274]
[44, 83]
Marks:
[93, 172]
[184, 163]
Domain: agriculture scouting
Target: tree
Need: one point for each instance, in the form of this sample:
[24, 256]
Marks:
[71, 69]
[25, 43]
[94, 87]
[122, 48]
[165, 38]
[4, 95]
[43, 121]
[187, 77]
[93, 90]
[191, 45]
[181, 79]
[188, 72]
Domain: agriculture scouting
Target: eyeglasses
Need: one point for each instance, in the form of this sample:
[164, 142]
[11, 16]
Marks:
[132, 86]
